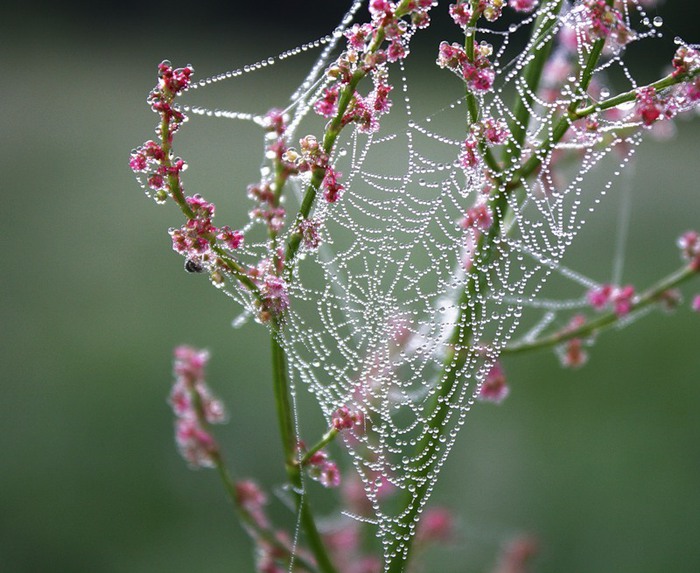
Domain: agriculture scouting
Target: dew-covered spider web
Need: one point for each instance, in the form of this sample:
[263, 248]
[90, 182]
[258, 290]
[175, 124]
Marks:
[398, 314]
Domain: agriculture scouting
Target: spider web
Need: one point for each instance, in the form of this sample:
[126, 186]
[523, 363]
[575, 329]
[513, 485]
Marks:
[375, 309]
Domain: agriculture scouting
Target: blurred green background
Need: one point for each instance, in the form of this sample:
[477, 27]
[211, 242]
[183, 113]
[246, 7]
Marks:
[602, 464]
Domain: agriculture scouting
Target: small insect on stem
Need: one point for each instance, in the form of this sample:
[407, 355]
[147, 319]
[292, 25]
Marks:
[192, 266]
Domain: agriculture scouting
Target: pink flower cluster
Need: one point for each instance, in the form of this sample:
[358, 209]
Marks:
[312, 157]
[695, 305]
[309, 229]
[195, 238]
[620, 299]
[652, 106]
[193, 404]
[363, 111]
[323, 470]
[365, 56]
[436, 525]
[478, 217]
[685, 61]
[572, 354]
[477, 73]
[602, 21]
[465, 10]
[494, 388]
[490, 132]
[267, 203]
[251, 499]
[345, 419]
[152, 158]
[689, 244]
[274, 298]
[523, 5]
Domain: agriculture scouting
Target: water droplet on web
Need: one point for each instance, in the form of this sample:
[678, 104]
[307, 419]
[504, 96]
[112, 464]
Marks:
[241, 319]
[658, 21]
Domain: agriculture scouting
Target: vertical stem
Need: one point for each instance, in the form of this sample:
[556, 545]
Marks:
[470, 303]
[531, 78]
[285, 416]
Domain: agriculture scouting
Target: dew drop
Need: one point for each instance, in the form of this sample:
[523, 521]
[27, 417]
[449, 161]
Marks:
[241, 319]
[658, 21]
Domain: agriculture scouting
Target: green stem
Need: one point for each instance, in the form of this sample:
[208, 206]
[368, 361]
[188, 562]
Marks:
[607, 320]
[470, 308]
[285, 416]
[331, 135]
[229, 484]
[326, 439]
[532, 75]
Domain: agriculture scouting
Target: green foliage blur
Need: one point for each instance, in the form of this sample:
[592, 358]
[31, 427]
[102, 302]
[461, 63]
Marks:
[602, 465]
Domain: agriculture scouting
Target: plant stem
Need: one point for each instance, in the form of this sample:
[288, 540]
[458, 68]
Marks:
[255, 530]
[331, 135]
[532, 75]
[285, 416]
[326, 439]
[461, 344]
[607, 320]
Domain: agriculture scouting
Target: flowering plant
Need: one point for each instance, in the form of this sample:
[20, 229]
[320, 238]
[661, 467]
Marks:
[396, 367]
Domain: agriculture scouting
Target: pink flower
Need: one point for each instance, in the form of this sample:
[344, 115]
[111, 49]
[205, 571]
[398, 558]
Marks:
[685, 60]
[323, 470]
[689, 243]
[478, 217]
[436, 525]
[495, 387]
[649, 107]
[309, 230]
[396, 51]
[451, 56]
[344, 418]
[696, 303]
[461, 13]
[190, 363]
[275, 121]
[599, 297]
[232, 239]
[327, 106]
[469, 157]
[194, 443]
[516, 555]
[251, 498]
[623, 299]
[620, 298]
[602, 20]
[495, 131]
[358, 35]
[522, 5]
[572, 354]
[275, 299]
[332, 188]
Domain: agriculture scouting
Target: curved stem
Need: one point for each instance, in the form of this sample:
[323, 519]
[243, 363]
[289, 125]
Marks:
[327, 438]
[253, 527]
[331, 135]
[607, 320]
[461, 344]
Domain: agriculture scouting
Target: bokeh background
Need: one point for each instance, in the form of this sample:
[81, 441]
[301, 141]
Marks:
[601, 464]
